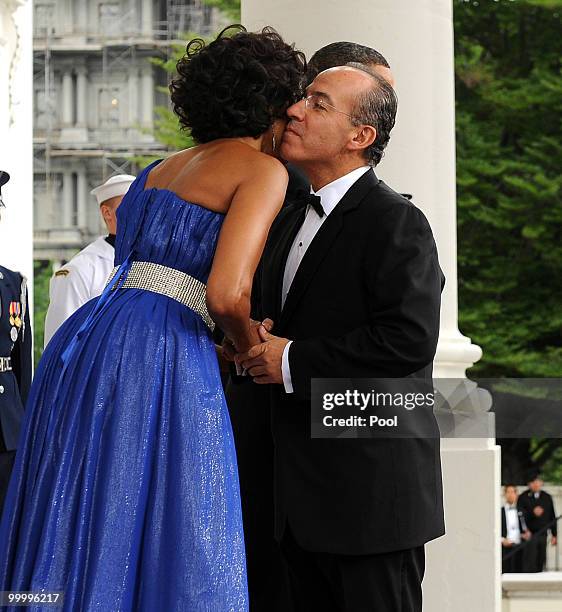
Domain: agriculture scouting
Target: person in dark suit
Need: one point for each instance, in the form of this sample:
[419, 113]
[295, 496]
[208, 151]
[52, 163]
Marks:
[538, 510]
[15, 362]
[249, 403]
[514, 532]
[353, 284]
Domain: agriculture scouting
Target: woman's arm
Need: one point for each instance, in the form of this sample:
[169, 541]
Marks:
[254, 206]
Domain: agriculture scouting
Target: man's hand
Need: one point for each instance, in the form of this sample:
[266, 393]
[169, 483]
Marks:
[526, 535]
[507, 543]
[553, 540]
[538, 511]
[263, 361]
[228, 349]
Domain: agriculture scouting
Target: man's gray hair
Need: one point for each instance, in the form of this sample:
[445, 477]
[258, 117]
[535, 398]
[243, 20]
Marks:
[376, 107]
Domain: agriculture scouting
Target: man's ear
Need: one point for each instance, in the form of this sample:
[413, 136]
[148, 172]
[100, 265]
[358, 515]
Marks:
[364, 137]
[105, 212]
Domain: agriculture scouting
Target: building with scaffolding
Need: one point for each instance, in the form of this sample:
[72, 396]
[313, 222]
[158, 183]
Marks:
[95, 90]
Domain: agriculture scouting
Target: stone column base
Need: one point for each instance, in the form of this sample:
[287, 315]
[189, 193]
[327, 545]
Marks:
[463, 567]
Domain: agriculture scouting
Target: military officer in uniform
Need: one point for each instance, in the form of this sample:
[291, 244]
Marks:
[85, 275]
[15, 361]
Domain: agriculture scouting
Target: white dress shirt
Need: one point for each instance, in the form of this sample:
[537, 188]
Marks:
[77, 282]
[512, 524]
[330, 196]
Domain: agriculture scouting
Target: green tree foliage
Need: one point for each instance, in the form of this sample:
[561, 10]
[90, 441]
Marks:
[509, 155]
[509, 98]
[231, 8]
[41, 275]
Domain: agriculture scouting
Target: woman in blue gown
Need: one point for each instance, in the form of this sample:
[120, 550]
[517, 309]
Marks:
[124, 494]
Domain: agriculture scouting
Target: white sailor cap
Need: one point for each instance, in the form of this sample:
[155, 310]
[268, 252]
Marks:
[117, 185]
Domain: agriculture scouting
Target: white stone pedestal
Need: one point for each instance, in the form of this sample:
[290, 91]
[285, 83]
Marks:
[532, 592]
[464, 567]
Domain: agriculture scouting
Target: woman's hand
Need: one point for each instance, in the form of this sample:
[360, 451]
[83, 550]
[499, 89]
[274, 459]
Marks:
[228, 349]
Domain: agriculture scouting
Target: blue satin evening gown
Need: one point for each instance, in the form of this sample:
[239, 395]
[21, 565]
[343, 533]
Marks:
[125, 492]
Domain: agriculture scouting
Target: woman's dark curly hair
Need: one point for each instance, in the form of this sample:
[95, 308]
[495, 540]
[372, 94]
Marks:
[236, 85]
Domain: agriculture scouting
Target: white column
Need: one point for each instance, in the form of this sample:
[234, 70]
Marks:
[81, 17]
[66, 199]
[81, 96]
[16, 136]
[67, 93]
[416, 37]
[147, 18]
[69, 15]
[147, 96]
[133, 98]
[82, 199]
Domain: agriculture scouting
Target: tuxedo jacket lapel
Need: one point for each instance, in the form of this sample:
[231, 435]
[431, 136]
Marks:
[276, 251]
[321, 243]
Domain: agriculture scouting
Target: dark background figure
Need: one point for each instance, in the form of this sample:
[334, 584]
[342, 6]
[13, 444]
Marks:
[514, 532]
[249, 403]
[15, 362]
[538, 510]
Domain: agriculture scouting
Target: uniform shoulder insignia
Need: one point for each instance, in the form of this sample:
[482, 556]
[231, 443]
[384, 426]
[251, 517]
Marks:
[62, 272]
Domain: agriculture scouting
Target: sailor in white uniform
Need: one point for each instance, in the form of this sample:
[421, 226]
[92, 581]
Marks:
[85, 275]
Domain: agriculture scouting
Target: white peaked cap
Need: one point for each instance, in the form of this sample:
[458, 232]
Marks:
[117, 185]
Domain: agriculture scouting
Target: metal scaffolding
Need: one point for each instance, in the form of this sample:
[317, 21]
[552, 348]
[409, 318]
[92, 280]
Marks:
[120, 43]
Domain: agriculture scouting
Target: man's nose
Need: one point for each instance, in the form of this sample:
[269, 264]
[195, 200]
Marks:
[297, 111]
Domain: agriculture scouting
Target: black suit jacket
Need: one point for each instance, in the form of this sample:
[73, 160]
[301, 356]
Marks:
[527, 501]
[364, 303]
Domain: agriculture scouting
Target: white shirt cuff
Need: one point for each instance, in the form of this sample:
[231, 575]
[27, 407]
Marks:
[240, 371]
[286, 370]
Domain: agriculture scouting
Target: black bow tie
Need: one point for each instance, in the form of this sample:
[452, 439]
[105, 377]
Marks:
[304, 198]
[315, 202]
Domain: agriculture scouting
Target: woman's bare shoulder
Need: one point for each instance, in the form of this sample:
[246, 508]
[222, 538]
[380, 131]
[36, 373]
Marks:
[231, 152]
[242, 163]
[211, 173]
[256, 162]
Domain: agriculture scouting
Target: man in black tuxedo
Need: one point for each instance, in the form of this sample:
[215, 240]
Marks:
[514, 532]
[352, 283]
[249, 403]
[538, 509]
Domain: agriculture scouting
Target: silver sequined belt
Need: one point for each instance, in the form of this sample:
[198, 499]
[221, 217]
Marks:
[5, 364]
[172, 283]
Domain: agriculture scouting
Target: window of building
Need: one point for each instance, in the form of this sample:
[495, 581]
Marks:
[54, 199]
[40, 109]
[109, 101]
[44, 18]
[109, 14]
[207, 16]
[39, 202]
[74, 218]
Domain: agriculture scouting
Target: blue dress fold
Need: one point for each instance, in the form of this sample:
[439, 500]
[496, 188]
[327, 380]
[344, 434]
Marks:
[125, 492]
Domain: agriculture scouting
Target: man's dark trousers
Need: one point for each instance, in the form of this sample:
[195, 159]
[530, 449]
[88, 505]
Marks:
[248, 405]
[534, 554]
[387, 582]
